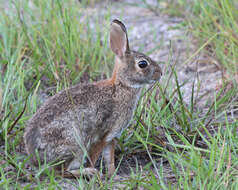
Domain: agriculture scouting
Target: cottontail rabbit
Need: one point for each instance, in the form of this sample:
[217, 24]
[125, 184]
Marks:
[87, 117]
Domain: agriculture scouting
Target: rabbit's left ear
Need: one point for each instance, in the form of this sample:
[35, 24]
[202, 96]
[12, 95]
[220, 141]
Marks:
[118, 38]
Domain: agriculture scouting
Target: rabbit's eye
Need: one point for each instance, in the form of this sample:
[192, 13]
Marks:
[143, 64]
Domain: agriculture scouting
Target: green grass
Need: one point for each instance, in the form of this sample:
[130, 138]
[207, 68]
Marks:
[205, 20]
[48, 45]
[218, 18]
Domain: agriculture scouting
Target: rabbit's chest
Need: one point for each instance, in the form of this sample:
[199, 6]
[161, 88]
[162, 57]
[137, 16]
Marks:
[122, 118]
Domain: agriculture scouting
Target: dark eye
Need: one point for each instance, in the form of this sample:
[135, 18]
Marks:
[143, 64]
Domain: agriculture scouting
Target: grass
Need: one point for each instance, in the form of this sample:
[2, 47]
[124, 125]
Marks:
[205, 20]
[45, 47]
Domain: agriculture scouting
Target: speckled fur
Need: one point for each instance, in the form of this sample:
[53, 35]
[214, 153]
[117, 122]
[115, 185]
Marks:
[87, 117]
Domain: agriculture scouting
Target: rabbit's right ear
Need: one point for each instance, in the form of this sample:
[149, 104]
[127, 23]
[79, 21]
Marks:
[118, 38]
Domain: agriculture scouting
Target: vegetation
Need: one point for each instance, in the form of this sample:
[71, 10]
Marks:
[45, 47]
[213, 23]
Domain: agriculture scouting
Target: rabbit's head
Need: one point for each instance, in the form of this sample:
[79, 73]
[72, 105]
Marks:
[131, 68]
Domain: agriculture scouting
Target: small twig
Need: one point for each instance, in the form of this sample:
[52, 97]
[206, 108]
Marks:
[20, 115]
[24, 108]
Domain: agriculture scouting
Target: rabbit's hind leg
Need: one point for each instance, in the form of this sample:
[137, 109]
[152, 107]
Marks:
[93, 154]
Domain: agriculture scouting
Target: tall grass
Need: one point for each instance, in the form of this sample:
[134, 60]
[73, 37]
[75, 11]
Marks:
[221, 18]
[47, 45]
[209, 19]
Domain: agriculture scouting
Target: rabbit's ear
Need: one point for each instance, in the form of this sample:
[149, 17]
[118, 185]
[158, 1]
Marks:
[118, 38]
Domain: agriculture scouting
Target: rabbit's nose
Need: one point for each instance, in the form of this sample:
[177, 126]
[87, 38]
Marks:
[157, 73]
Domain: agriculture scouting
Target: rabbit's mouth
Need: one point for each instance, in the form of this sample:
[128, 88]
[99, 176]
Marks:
[153, 81]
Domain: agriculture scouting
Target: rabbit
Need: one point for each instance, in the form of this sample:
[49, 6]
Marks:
[85, 119]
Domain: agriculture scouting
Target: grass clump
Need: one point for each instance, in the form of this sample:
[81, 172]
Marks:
[199, 147]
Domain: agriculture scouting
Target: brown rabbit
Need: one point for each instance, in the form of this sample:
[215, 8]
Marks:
[85, 119]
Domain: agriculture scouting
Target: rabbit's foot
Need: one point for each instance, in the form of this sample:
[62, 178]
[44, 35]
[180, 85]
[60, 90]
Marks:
[87, 172]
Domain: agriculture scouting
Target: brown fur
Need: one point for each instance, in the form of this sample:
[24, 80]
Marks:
[87, 117]
[96, 150]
